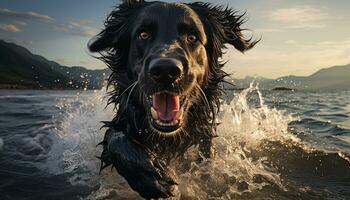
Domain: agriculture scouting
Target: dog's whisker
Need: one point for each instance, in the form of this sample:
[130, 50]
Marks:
[131, 90]
[151, 135]
[204, 97]
[185, 132]
[130, 86]
[209, 106]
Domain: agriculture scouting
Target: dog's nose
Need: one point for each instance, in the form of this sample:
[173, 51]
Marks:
[165, 70]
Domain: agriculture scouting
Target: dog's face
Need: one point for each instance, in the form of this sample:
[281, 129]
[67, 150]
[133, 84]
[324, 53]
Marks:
[170, 52]
[167, 57]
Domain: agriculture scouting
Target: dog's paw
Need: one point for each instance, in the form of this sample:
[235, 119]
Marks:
[155, 182]
[144, 172]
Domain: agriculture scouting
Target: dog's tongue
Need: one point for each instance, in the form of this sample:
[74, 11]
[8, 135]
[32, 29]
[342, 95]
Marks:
[166, 105]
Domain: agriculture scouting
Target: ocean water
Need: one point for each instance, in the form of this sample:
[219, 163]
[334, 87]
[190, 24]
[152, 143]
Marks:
[271, 145]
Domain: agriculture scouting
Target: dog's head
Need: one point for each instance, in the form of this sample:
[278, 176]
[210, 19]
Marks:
[166, 54]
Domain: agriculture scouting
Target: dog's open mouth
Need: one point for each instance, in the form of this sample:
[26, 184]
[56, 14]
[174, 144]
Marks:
[166, 111]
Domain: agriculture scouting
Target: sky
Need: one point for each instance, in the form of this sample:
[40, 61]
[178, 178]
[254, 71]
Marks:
[298, 37]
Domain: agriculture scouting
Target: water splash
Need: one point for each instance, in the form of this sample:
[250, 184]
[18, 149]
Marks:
[78, 130]
[246, 124]
[77, 127]
[252, 139]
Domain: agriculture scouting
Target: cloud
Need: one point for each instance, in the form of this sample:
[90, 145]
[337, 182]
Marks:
[81, 28]
[302, 59]
[21, 23]
[290, 42]
[10, 14]
[268, 30]
[77, 28]
[300, 17]
[87, 32]
[10, 28]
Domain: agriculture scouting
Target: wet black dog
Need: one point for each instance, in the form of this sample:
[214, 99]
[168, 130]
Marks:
[166, 79]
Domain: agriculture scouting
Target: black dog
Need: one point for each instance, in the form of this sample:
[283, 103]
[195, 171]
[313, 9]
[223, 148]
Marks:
[166, 78]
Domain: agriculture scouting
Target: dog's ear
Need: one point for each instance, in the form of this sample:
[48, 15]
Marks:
[116, 26]
[100, 42]
[225, 24]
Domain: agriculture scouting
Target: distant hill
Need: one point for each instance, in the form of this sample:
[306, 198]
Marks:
[239, 84]
[332, 78]
[19, 68]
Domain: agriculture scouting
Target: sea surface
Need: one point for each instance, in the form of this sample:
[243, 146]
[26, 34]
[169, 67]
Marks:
[271, 145]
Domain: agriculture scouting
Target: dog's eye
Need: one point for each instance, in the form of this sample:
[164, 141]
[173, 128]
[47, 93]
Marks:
[144, 36]
[191, 38]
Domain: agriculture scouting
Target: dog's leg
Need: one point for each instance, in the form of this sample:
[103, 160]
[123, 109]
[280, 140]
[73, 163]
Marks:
[145, 173]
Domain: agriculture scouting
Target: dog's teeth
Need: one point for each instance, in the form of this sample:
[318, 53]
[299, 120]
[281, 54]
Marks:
[154, 113]
[172, 123]
[179, 114]
[160, 123]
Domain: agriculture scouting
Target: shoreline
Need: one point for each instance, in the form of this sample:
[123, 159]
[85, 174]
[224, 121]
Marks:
[23, 87]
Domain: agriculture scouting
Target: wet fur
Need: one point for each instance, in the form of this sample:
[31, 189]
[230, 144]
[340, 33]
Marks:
[129, 145]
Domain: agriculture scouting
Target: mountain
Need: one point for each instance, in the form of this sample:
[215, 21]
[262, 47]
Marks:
[332, 78]
[19, 68]
[337, 77]
[244, 83]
